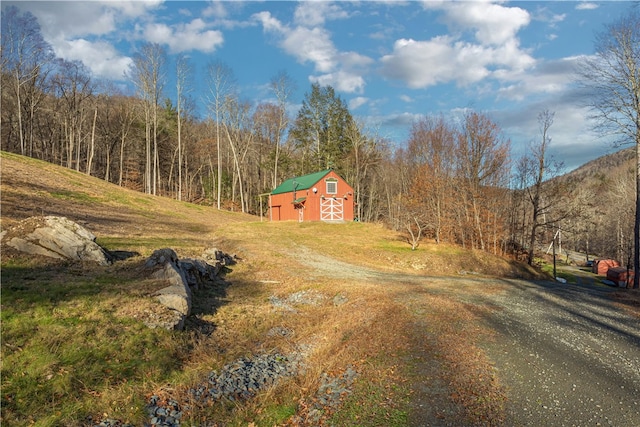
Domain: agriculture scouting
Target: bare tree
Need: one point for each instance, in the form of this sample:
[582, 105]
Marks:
[147, 73]
[74, 88]
[613, 77]
[183, 72]
[483, 163]
[24, 56]
[543, 193]
[238, 132]
[282, 85]
[431, 147]
[220, 83]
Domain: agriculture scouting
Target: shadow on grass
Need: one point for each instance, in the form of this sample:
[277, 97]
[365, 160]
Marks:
[206, 302]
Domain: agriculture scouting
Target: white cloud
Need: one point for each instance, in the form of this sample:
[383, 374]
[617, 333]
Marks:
[101, 58]
[402, 120]
[547, 77]
[451, 58]
[311, 44]
[341, 80]
[357, 102]
[216, 9]
[65, 20]
[493, 23]
[184, 37]
[308, 41]
[422, 64]
[70, 27]
[269, 23]
[544, 14]
[315, 13]
[585, 5]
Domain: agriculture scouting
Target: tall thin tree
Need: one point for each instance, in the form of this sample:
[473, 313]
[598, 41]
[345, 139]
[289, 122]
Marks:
[282, 85]
[24, 55]
[220, 84]
[148, 74]
[183, 73]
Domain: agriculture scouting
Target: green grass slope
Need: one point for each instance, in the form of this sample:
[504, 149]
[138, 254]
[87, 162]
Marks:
[75, 349]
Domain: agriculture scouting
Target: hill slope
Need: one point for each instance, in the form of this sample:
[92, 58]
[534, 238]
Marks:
[602, 166]
[74, 346]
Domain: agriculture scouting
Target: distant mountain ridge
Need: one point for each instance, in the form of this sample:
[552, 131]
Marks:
[603, 166]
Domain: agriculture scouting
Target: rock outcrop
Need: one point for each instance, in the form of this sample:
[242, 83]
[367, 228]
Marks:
[56, 237]
[164, 265]
[61, 238]
[183, 277]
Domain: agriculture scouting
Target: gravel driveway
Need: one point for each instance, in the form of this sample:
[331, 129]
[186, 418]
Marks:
[566, 354]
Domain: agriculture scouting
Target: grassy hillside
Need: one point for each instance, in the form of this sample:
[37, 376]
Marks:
[74, 348]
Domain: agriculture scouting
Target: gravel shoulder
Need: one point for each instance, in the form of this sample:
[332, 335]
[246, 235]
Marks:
[566, 354]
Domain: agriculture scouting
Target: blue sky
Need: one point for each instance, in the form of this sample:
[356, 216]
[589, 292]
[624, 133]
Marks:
[391, 61]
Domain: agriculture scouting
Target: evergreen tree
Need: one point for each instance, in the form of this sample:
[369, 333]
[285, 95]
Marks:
[320, 131]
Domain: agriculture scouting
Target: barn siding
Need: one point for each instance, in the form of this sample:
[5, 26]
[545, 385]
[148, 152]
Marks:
[283, 208]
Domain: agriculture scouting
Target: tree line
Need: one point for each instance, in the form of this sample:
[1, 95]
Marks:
[452, 181]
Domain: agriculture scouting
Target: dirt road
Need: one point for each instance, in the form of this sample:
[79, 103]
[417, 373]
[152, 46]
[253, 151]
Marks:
[567, 355]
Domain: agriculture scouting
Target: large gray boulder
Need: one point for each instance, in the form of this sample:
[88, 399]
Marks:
[166, 267]
[182, 278]
[56, 237]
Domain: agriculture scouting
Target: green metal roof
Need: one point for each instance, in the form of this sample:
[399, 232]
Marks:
[300, 182]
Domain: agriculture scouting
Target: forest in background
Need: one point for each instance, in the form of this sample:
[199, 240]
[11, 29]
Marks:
[452, 181]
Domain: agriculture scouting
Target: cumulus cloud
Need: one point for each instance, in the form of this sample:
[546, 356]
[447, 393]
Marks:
[311, 44]
[549, 77]
[493, 23]
[341, 80]
[71, 27]
[315, 13]
[62, 21]
[184, 37]
[101, 58]
[495, 52]
[308, 41]
[585, 5]
[422, 64]
[358, 101]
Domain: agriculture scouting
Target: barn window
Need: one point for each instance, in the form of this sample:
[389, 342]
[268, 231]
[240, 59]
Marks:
[332, 185]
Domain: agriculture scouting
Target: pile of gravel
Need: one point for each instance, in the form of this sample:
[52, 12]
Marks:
[239, 380]
[308, 297]
[163, 413]
[332, 391]
[246, 376]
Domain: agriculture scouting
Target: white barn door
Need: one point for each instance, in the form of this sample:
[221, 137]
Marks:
[331, 209]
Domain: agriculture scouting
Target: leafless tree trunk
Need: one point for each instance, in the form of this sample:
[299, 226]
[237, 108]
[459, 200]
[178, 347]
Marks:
[147, 73]
[220, 84]
[483, 156]
[183, 72]
[24, 55]
[92, 144]
[282, 85]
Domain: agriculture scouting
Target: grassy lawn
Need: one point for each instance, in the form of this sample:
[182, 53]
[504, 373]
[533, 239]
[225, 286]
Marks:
[75, 346]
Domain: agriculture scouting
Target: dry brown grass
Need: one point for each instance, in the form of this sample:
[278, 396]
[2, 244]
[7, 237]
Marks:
[407, 342]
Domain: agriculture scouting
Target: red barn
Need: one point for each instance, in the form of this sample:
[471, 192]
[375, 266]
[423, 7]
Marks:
[320, 196]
